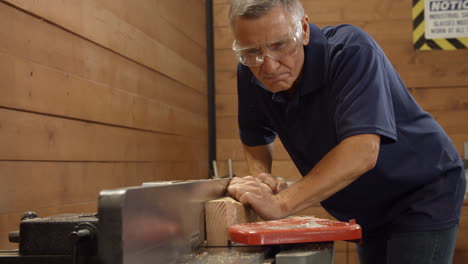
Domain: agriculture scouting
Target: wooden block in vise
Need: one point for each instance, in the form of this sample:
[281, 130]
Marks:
[221, 214]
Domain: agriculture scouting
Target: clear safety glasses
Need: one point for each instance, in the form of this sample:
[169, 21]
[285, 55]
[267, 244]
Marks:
[277, 49]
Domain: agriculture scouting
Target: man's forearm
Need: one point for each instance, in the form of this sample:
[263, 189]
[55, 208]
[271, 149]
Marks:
[339, 168]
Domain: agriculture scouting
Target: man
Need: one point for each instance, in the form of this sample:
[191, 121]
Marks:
[365, 149]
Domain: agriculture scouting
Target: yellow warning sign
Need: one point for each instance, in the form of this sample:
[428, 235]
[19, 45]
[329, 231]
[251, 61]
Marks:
[440, 24]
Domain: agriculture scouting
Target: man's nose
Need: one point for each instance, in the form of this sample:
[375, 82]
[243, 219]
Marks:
[269, 65]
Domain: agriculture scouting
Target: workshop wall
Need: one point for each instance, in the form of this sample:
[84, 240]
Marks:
[97, 94]
[437, 79]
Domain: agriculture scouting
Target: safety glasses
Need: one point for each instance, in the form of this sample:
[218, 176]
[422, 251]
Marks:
[277, 49]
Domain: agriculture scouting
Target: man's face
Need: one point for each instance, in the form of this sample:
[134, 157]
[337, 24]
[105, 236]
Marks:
[275, 74]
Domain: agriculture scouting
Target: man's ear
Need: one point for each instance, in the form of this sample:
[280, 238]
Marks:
[305, 30]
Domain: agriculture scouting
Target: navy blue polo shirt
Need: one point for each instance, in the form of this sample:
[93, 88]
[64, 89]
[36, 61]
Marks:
[348, 87]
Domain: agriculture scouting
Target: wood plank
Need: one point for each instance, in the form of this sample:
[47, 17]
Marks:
[28, 136]
[192, 12]
[87, 19]
[353, 257]
[226, 82]
[442, 57]
[10, 221]
[227, 127]
[339, 257]
[225, 60]
[220, 13]
[434, 74]
[223, 37]
[359, 10]
[340, 246]
[30, 86]
[453, 121]
[226, 105]
[220, 214]
[441, 99]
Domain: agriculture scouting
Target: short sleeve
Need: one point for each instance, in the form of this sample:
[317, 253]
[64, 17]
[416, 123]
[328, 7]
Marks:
[364, 101]
[255, 127]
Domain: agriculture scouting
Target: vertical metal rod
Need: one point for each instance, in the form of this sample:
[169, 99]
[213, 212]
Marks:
[230, 168]
[210, 82]
[215, 169]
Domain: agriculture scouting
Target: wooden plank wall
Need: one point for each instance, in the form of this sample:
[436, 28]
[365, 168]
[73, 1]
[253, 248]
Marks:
[97, 94]
[437, 79]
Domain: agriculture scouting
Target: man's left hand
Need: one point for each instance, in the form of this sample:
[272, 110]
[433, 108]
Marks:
[251, 191]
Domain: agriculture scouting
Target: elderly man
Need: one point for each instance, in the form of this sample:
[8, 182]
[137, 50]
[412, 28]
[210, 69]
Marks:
[364, 147]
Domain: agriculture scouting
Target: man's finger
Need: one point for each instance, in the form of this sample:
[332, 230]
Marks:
[245, 198]
[268, 180]
[282, 184]
[236, 190]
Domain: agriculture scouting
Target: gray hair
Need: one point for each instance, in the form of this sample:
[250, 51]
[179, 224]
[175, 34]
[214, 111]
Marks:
[258, 8]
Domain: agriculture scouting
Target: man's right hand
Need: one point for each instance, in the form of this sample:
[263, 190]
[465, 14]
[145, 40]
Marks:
[275, 183]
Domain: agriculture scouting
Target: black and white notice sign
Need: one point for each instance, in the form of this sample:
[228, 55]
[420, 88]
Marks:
[446, 19]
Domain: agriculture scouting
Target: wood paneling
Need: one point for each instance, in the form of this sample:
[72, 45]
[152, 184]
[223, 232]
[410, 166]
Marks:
[440, 74]
[33, 87]
[97, 94]
[28, 136]
[438, 80]
[226, 82]
[89, 19]
[442, 99]
[166, 26]
[34, 40]
[74, 182]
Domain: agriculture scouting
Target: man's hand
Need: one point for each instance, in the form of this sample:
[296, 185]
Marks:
[276, 184]
[260, 196]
